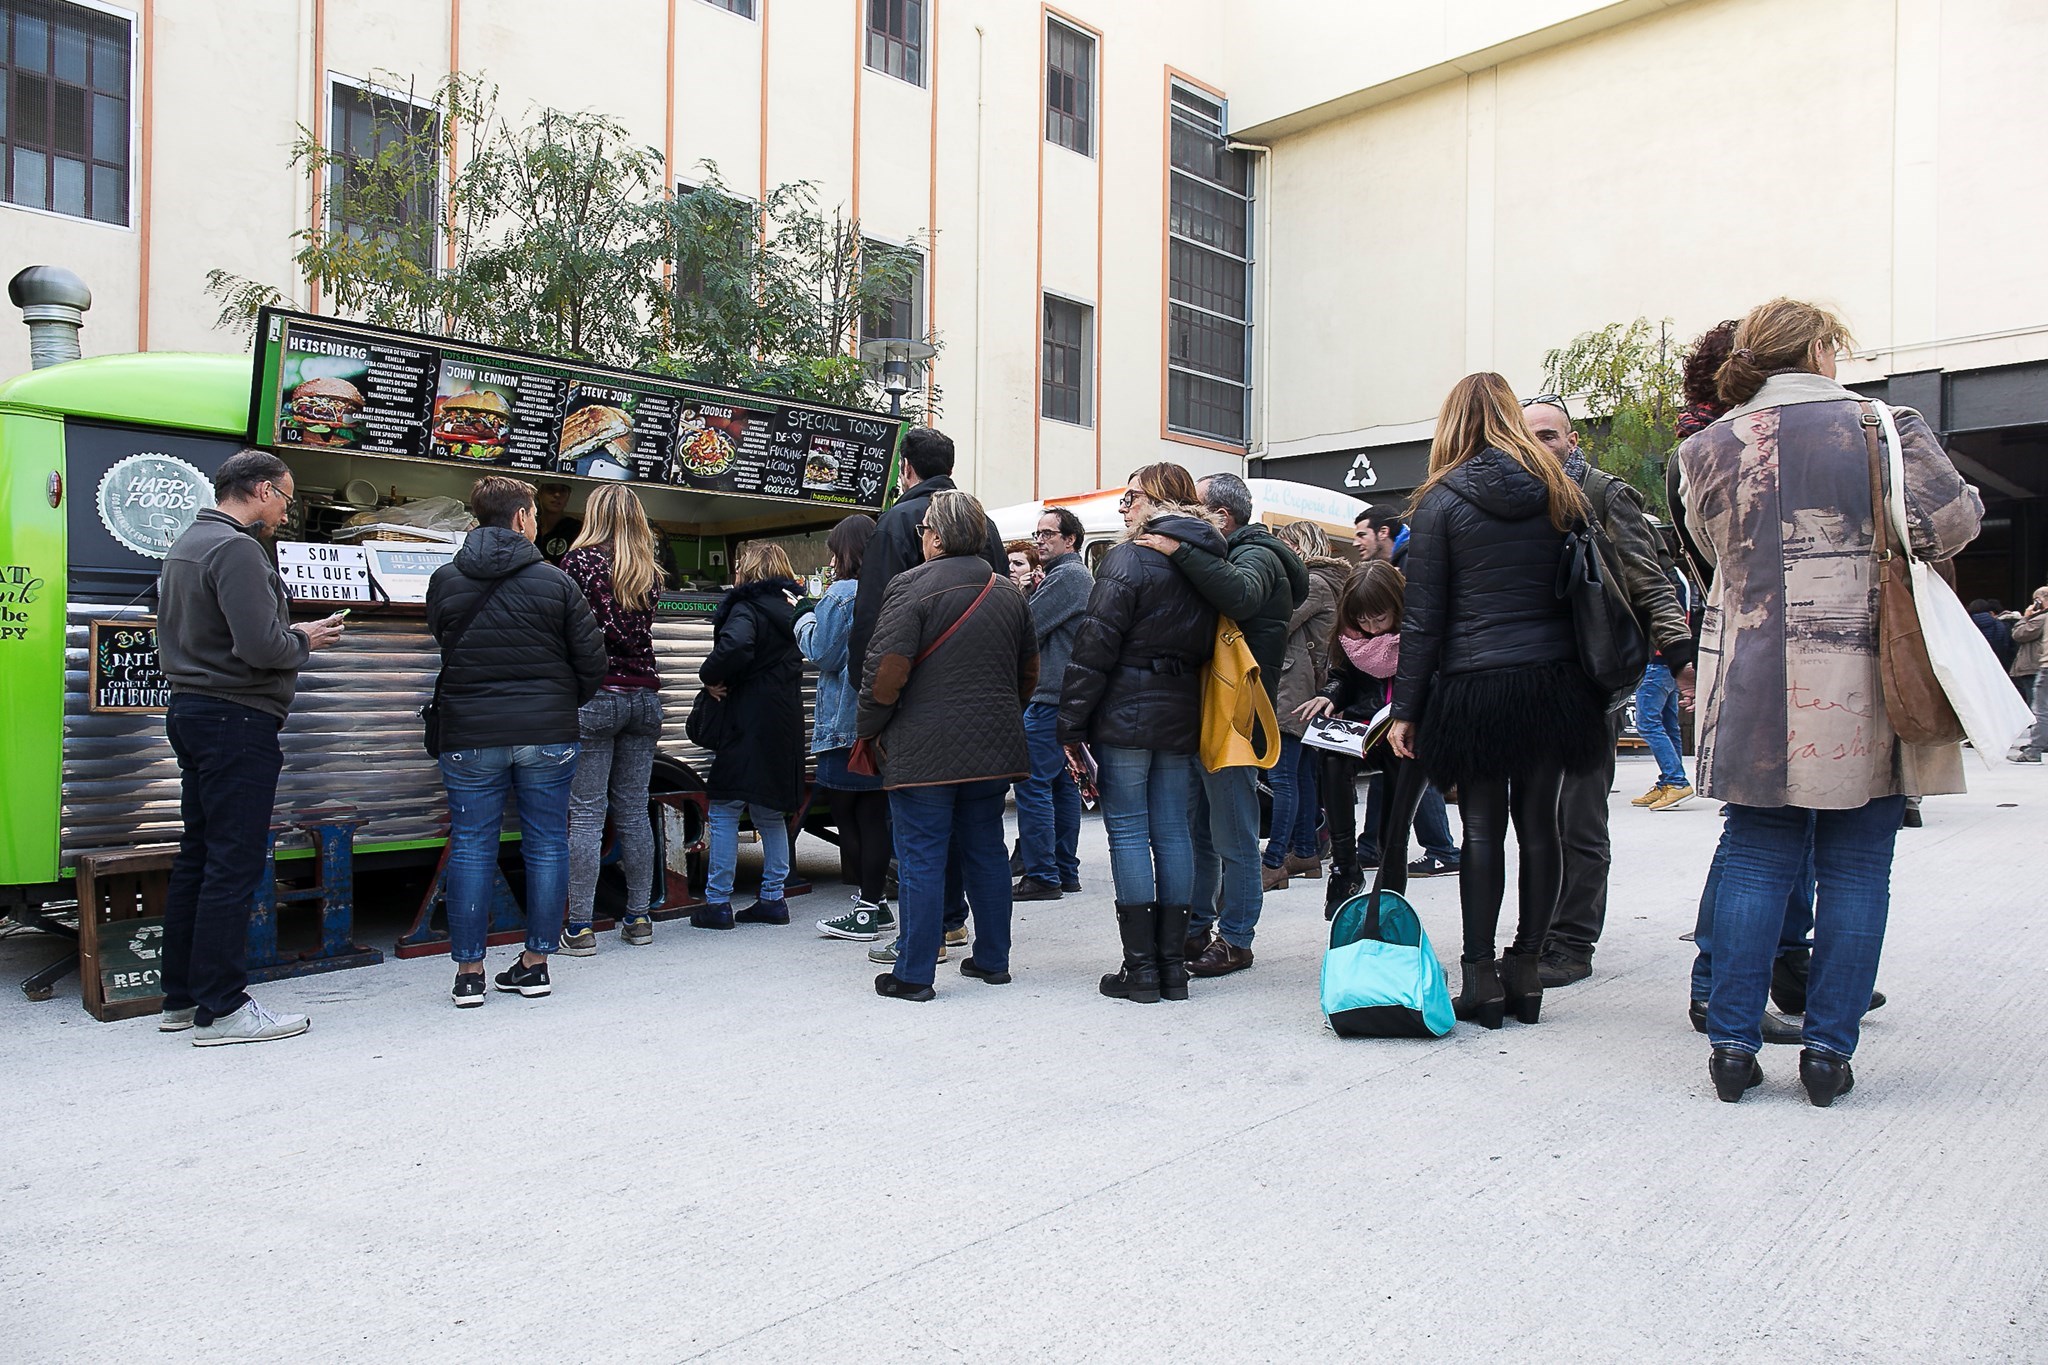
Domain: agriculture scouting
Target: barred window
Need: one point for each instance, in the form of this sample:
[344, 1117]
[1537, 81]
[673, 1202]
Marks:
[64, 109]
[896, 38]
[367, 196]
[1208, 229]
[1068, 344]
[1069, 87]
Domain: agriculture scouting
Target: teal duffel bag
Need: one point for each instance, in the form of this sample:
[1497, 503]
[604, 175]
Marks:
[1380, 976]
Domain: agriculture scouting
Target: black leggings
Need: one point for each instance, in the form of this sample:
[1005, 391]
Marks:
[1486, 806]
[1404, 782]
[864, 833]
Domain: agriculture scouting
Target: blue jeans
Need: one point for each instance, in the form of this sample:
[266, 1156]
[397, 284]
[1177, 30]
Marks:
[1145, 813]
[1657, 723]
[1048, 803]
[228, 762]
[1432, 824]
[1225, 825]
[724, 841]
[943, 832]
[478, 781]
[1797, 933]
[1852, 863]
[1293, 783]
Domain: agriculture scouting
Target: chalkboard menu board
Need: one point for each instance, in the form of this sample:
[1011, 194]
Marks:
[325, 383]
[124, 675]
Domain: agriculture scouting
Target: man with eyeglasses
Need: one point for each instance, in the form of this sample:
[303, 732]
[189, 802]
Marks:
[1048, 802]
[228, 647]
[1582, 808]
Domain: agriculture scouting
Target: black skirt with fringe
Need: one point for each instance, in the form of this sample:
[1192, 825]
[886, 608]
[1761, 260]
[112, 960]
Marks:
[1512, 722]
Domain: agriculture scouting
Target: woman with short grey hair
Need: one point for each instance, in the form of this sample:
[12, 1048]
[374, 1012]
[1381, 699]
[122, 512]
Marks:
[951, 664]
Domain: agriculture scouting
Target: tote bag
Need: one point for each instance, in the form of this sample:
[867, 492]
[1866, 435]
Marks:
[1381, 978]
[1233, 700]
[1985, 701]
[1613, 650]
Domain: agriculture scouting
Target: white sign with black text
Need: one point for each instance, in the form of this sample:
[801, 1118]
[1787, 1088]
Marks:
[323, 573]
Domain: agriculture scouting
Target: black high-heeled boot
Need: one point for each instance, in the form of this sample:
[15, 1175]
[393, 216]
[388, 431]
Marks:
[1522, 985]
[1733, 1071]
[1171, 939]
[1825, 1076]
[1138, 982]
[1482, 1002]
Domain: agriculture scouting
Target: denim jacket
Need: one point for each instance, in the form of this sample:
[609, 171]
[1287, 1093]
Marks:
[822, 636]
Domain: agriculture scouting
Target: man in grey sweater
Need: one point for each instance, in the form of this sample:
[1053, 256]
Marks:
[232, 656]
[1048, 803]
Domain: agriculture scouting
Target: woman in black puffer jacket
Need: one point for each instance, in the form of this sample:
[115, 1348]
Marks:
[1133, 693]
[1490, 674]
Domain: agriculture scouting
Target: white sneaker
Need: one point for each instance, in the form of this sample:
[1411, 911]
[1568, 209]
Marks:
[250, 1024]
[176, 1021]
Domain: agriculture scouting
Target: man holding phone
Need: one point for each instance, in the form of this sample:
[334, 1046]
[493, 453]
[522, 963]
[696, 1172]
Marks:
[232, 656]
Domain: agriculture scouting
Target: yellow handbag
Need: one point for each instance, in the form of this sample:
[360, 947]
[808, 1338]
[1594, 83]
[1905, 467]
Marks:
[1233, 698]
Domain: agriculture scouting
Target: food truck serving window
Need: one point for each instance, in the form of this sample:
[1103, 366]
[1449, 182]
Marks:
[134, 490]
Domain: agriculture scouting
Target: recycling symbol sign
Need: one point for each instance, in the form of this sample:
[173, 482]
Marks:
[1361, 474]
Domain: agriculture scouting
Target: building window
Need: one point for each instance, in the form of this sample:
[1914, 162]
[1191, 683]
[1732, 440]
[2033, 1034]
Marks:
[1068, 344]
[64, 109]
[726, 234]
[1069, 88]
[902, 313]
[896, 38]
[384, 181]
[743, 8]
[1208, 229]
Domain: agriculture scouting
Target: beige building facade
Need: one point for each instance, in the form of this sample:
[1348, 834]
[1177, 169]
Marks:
[1409, 191]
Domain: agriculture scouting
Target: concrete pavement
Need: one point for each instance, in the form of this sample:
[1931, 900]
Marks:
[724, 1147]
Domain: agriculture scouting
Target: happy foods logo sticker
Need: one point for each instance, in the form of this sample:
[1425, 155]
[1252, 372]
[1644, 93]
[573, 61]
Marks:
[146, 501]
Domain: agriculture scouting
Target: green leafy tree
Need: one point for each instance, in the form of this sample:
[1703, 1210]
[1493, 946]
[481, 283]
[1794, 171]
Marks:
[1628, 379]
[559, 235]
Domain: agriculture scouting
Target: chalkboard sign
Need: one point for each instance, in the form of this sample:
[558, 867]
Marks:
[125, 676]
[331, 384]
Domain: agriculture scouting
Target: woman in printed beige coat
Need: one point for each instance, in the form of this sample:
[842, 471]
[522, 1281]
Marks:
[1793, 732]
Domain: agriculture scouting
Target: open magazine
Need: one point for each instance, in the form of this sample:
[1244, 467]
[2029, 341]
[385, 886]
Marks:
[1353, 737]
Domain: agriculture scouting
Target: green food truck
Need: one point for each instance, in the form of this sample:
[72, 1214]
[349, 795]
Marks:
[103, 462]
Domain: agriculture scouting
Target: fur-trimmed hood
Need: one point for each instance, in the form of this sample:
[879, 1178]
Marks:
[1183, 521]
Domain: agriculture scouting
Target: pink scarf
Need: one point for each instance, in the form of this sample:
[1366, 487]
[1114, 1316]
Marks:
[1377, 655]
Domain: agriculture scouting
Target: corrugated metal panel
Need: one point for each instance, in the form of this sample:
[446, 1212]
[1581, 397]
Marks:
[353, 736]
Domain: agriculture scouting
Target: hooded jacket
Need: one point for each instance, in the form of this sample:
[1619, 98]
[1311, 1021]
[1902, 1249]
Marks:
[522, 667]
[896, 548]
[754, 654]
[1134, 679]
[1257, 583]
[1482, 580]
[1307, 666]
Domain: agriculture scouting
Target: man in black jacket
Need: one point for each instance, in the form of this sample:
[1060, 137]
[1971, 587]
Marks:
[520, 653]
[1257, 583]
[1582, 806]
[232, 656]
[897, 546]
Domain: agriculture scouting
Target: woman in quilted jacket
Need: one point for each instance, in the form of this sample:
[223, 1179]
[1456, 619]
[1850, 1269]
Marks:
[1133, 694]
[1490, 691]
[1793, 730]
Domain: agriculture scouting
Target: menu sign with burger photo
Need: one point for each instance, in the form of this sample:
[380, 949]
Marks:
[355, 387]
[351, 392]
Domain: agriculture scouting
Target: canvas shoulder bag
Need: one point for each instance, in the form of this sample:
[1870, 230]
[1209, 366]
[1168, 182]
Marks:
[866, 758]
[430, 714]
[1941, 681]
[1234, 701]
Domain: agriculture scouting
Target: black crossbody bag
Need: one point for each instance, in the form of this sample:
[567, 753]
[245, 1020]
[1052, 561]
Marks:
[430, 714]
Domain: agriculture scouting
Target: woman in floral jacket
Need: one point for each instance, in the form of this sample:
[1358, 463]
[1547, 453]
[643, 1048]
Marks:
[1793, 732]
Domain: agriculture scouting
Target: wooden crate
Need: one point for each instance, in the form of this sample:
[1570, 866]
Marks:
[120, 899]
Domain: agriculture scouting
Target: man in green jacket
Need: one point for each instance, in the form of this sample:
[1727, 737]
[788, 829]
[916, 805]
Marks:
[1257, 583]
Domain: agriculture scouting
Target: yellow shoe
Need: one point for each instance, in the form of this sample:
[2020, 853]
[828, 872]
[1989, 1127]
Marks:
[1672, 798]
[1650, 797]
[956, 938]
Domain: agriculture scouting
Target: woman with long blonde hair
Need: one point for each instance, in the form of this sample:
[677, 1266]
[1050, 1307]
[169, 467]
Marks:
[1490, 694]
[756, 671]
[614, 562]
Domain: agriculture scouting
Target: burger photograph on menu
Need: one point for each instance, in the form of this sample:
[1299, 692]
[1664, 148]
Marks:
[597, 440]
[472, 425]
[322, 412]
